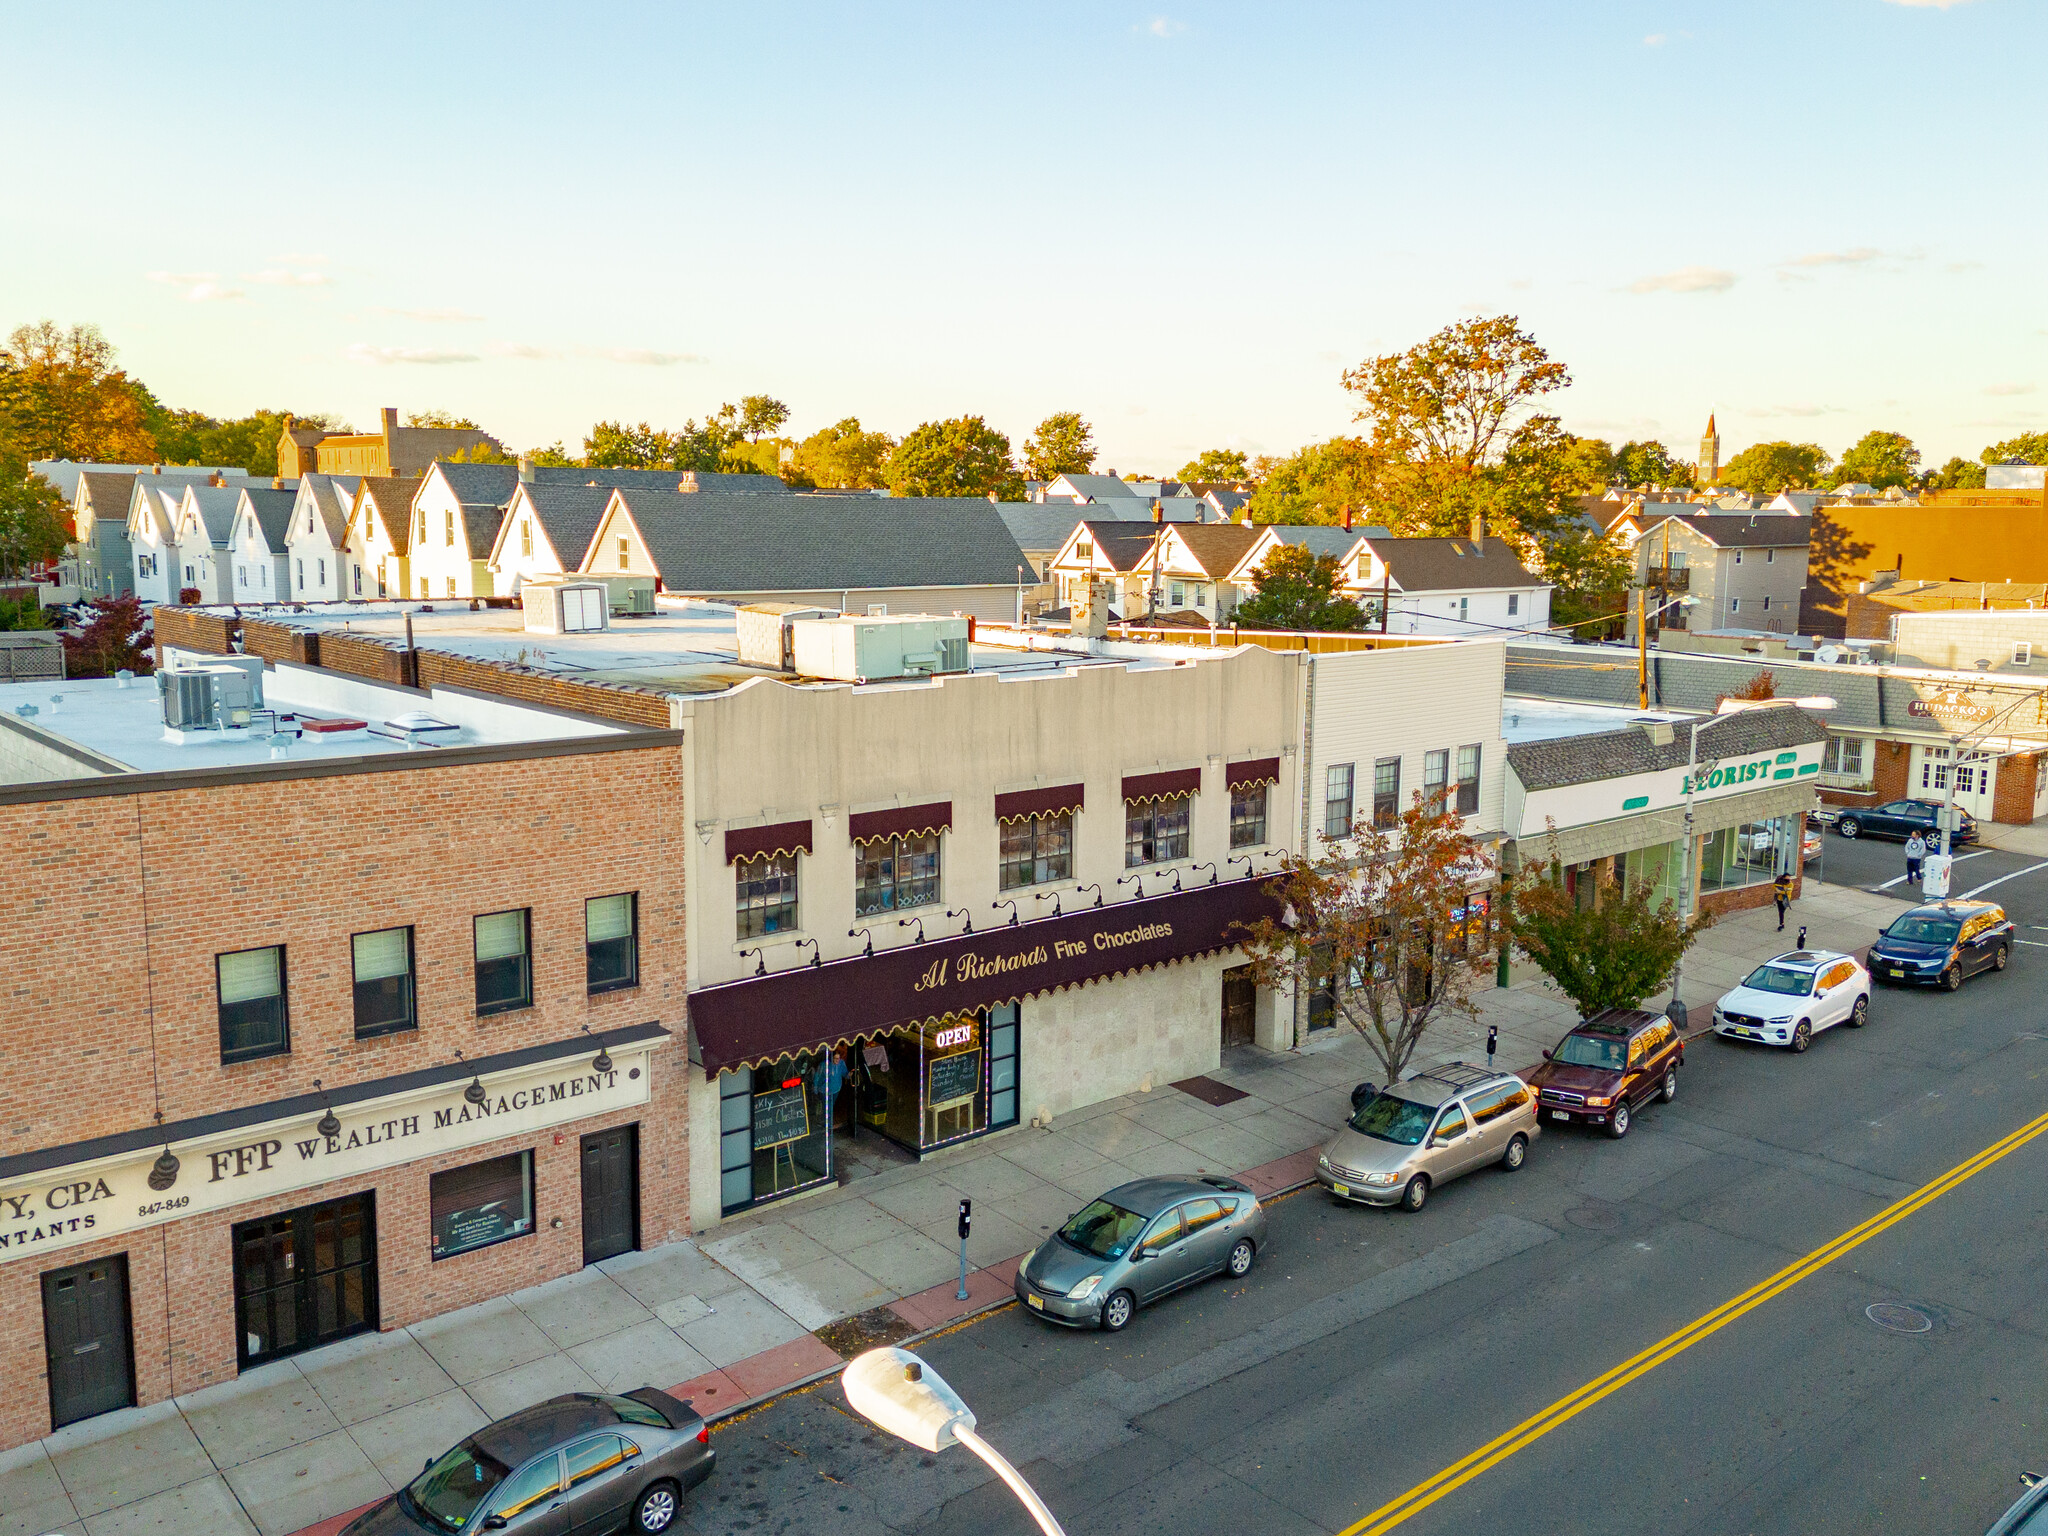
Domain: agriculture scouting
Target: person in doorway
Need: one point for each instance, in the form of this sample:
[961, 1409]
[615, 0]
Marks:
[1781, 892]
[1916, 850]
[832, 1078]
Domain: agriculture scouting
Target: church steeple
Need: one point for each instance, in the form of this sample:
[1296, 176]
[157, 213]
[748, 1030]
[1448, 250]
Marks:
[1710, 454]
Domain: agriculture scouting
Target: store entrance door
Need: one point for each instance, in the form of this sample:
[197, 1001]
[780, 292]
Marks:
[85, 1330]
[1240, 1003]
[305, 1277]
[611, 1193]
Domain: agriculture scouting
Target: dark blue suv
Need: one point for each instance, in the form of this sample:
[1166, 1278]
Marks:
[1902, 818]
[1942, 943]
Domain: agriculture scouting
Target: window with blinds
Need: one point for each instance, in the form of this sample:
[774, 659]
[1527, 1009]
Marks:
[504, 974]
[383, 982]
[611, 942]
[252, 1004]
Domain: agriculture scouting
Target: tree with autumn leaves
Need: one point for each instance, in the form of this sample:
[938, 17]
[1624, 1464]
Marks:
[1384, 919]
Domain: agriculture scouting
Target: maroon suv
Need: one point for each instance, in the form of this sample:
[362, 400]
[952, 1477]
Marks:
[1609, 1067]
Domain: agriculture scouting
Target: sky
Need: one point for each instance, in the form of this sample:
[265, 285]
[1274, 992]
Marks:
[1811, 219]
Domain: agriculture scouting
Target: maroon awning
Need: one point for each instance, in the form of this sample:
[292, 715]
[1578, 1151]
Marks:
[812, 1007]
[1162, 786]
[1038, 802]
[782, 837]
[904, 821]
[1257, 770]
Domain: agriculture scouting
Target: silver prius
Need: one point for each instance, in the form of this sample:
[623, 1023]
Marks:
[1137, 1243]
[1410, 1138]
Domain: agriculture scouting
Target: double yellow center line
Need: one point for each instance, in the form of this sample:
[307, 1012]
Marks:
[1532, 1429]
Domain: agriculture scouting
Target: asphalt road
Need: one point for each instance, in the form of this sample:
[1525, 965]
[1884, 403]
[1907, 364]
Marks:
[2017, 881]
[1369, 1350]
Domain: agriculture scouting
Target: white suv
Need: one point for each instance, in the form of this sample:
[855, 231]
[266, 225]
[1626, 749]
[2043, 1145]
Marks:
[1790, 999]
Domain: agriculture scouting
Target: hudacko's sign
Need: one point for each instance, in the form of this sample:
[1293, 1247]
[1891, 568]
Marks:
[800, 1009]
[66, 1206]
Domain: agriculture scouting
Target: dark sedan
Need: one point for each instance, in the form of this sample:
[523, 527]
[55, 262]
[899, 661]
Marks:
[1942, 943]
[576, 1463]
[1900, 819]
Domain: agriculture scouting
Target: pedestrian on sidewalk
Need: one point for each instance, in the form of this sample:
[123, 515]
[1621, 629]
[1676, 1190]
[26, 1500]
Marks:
[1781, 892]
[1916, 850]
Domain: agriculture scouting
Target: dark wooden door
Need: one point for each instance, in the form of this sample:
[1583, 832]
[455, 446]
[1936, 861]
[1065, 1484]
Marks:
[85, 1330]
[305, 1277]
[611, 1193]
[1240, 1000]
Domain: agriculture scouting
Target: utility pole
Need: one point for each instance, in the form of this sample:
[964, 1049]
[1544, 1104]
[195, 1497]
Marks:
[1642, 595]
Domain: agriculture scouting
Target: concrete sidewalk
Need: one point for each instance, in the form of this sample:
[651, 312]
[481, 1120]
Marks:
[762, 1302]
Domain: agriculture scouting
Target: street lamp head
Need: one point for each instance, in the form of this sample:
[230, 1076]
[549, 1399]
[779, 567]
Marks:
[906, 1397]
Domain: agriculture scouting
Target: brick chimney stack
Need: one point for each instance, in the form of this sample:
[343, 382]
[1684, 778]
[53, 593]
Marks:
[390, 414]
[1479, 528]
[526, 469]
[1347, 519]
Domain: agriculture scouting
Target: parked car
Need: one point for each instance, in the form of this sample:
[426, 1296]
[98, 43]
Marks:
[1900, 819]
[1609, 1067]
[1942, 943]
[1809, 845]
[2029, 1516]
[584, 1461]
[1407, 1139]
[1138, 1243]
[1791, 998]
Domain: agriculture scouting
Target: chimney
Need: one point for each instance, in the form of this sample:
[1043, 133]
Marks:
[1479, 528]
[217, 479]
[1347, 519]
[390, 415]
[1158, 511]
[526, 469]
[277, 482]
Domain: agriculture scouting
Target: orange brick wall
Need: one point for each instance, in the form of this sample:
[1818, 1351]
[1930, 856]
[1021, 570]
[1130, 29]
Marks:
[635, 706]
[191, 629]
[280, 642]
[307, 862]
[2013, 798]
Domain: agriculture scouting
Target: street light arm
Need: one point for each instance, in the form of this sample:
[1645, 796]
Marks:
[1000, 1465]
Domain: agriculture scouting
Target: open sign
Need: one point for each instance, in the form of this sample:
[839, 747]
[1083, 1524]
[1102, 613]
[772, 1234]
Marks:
[958, 1034]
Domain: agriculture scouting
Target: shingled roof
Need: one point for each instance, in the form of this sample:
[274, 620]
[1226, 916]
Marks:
[1751, 530]
[1566, 760]
[392, 496]
[1452, 565]
[1217, 547]
[710, 542]
[273, 511]
[568, 515]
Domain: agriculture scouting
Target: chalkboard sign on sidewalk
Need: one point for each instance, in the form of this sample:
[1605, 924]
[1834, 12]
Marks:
[955, 1079]
[780, 1116]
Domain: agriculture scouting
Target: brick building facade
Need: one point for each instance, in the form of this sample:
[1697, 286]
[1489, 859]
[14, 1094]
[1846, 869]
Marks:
[129, 889]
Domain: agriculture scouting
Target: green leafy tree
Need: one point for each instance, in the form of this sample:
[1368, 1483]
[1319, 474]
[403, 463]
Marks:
[619, 445]
[1609, 952]
[1312, 485]
[1642, 465]
[2027, 448]
[484, 453]
[843, 457]
[18, 613]
[1764, 469]
[61, 397]
[243, 442]
[1064, 445]
[1588, 464]
[1298, 590]
[760, 415]
[1217, 464]
[1879, 460]
[1588, 577]
[445, 419]
[115, 636]
[35, 523]
[961, 457]
[1958, 474]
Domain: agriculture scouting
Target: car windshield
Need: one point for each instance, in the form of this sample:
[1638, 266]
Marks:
[1389, 1118]
[1924, 930]
[451, 1490]
[1103, 1231]
[1592, 1051]
[1778, 978]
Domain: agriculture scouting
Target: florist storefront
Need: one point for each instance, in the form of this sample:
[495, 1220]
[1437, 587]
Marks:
[927, 1045]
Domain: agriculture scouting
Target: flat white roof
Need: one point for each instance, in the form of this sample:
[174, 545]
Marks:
[1527, 719]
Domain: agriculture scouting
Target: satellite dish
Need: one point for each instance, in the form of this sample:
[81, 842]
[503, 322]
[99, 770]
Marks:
[1829, 654]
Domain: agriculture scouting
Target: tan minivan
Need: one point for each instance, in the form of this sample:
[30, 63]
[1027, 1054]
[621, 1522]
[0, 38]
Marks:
[1415, 1135]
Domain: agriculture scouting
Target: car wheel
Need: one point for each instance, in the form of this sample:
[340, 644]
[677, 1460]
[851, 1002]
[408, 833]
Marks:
[2002, 958]
[1118, 1311]
[1802, 1036]
[656, 1510]
[1416, 1195]
[1860, 1014]
[1617, 1123]
[1849, 826]
[1952, 978]
[1517, 1152]
[1240, 1261]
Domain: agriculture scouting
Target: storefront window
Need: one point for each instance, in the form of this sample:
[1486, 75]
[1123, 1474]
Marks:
[765, 891]
[1037, 850]
[1750, 854]
[1155, 831]
[891, 873]
[1248, 816]
[925, 1087]
[789, 1132]
[481, 1204]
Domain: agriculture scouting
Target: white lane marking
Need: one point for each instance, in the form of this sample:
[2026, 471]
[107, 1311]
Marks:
[1895, 879]
[2029, 870]
[2038, 944]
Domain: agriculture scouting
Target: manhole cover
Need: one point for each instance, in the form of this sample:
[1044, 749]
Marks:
[1898, 1317]
[1596, 1218]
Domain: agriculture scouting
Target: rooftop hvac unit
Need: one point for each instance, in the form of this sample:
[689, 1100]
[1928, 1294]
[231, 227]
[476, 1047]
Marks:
[208, 698]
[868, 650]
[763, 630]
[565, 607]
[630, 595]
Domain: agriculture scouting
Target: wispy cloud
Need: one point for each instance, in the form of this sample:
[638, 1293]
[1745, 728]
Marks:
[208, 293]
[2008, 389]
[1964, 266]
[284, 277]
[181, 278]
[1850, 258]
[1656, 40]
[1165, 26]
[1801, 409]
[641, 356]
[1686, 280]
[434, 316]
[523, 349]
[301, 259]
[363, 352]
